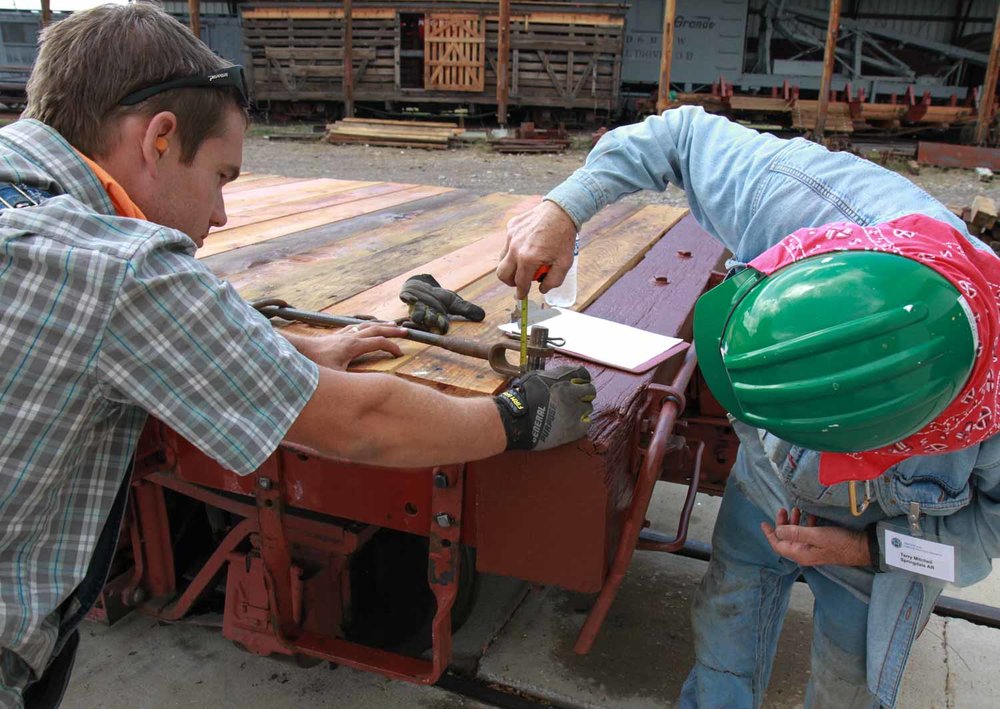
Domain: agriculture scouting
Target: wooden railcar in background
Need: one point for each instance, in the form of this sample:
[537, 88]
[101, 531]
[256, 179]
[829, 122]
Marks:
[561, 55]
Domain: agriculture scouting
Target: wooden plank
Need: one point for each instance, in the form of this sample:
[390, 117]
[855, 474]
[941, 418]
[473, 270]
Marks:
[348, 29]
[327, 200]
[608, 255]
[759, 103]
[245, 202]
[338, 271]
[260, 181]
[245, 178]
[300, 12]
[291, 245]
[194, 12]
[549, 70]
[263, 231]
[948, 114]
[668, 280]
[984, 212]
[382, 304]
[502, 70]
[829, 58]
[428, 135]
[304, 12]
[384, 142]
[389, 122]
[583, 77]
[455, 270]
[563, 18]
[882, 111]
[329, 54]
[988, 99]
[666, 54]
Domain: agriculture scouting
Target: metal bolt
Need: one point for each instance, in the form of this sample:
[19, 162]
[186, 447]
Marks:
[440, 480]
[443, 519]
[137, 596]
[265, 483]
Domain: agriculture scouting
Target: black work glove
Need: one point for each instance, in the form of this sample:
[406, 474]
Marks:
[546, 408]
[430, 304]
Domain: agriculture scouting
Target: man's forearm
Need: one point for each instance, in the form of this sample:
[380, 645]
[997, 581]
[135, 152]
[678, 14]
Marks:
[382, 420]
[716, 162]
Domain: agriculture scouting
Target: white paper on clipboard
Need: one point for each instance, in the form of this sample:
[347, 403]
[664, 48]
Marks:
[606, 342]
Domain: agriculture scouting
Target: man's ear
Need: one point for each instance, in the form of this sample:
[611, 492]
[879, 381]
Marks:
[159, 139]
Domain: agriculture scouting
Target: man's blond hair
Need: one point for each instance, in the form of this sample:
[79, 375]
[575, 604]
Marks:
[88, 62]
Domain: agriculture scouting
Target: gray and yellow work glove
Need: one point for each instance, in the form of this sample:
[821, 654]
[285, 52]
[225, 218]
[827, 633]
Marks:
[430, 304]
[546, 408]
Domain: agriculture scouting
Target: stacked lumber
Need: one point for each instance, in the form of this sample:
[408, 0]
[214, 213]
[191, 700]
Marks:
[981, 219]
[838, 117]
[528, 139]
[393, 134]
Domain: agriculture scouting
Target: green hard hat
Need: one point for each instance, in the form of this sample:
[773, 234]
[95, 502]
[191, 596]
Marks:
[845, 351]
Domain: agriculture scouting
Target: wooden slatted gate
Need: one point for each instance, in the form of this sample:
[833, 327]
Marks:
[454, 52]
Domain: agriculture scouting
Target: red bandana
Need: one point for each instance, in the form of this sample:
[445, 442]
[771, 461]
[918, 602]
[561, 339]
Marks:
[972, 416]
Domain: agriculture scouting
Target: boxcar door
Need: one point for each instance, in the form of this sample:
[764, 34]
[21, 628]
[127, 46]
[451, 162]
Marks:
[454, 52]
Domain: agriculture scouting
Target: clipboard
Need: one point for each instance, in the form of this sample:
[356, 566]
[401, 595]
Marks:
[602, 341]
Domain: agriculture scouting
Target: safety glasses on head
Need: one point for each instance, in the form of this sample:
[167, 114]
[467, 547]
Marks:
[230, 77]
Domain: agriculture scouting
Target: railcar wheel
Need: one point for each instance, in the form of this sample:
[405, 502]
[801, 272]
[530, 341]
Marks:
[392, 605]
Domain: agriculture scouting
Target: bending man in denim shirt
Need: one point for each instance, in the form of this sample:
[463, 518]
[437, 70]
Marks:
[750, 191]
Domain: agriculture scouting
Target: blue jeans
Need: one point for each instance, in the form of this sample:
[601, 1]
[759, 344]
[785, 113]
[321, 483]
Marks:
[738, 612]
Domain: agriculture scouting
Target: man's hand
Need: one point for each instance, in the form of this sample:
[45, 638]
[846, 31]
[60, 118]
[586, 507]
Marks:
[815, 546]
[542, 235]
[430, 304]
[546, 408]
[339, 349]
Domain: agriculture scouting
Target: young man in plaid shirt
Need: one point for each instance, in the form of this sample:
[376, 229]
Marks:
[132, 129]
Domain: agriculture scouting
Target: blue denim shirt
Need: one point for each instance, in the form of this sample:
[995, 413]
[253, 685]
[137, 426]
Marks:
[750, 190]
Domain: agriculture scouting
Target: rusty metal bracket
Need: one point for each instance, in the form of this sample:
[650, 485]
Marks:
[280, 574]
[442, 574]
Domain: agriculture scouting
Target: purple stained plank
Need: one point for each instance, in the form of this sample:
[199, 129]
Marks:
[657, 295]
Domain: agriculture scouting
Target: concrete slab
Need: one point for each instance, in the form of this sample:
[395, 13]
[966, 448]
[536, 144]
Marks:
[925, 684]
[640, 659]
[140, 664]
[665, 509]
[972, 651]
[953, 665]
[498, 599]
[644, 651]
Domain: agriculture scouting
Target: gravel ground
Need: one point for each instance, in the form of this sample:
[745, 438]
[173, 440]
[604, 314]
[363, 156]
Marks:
[476, 168]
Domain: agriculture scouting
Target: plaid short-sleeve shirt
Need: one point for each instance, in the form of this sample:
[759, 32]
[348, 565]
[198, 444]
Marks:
[104, 319]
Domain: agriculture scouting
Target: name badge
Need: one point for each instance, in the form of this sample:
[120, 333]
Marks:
[919, 556]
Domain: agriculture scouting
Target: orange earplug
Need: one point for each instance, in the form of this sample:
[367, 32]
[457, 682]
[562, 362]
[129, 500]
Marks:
[161, 145]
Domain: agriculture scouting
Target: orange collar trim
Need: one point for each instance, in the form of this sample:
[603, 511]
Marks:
[123, 204]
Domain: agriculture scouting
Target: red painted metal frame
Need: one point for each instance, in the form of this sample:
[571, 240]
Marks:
[665, 404]
[443, 578]
[273, 530]
[558, 517]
